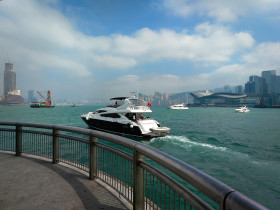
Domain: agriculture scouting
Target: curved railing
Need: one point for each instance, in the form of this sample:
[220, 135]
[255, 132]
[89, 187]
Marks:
[144, 176]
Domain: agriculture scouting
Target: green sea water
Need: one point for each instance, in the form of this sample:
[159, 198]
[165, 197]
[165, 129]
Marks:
[240, 149]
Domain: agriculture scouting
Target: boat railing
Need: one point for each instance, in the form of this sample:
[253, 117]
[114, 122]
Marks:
[144, 176]
[139, 108]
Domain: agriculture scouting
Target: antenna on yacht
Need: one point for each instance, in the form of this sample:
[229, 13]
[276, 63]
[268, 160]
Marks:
[134, 94]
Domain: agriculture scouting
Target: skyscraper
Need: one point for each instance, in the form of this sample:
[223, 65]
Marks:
[270, 78]
[238, 89]
[31, 96]
[12, 95]
[9, 78]
[256, 86]
[267, 87]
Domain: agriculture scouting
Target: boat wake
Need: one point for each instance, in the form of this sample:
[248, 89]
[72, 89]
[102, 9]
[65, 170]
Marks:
[186, 143]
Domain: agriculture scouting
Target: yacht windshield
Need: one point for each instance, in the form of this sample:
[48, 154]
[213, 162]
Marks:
[115, 102]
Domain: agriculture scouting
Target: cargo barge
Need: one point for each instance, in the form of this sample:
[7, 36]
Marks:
[46, 104]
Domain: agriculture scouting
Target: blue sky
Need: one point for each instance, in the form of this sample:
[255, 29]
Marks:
[106, 48]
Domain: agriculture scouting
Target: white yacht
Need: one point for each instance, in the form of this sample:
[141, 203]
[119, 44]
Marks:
[242, 109]
[178, 106]
[124, 116]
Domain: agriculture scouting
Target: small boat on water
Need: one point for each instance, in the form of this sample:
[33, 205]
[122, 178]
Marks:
[178, 106]
[242, 109]
[125, 116]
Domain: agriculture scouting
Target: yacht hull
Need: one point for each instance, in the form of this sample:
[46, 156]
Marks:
[118, 128]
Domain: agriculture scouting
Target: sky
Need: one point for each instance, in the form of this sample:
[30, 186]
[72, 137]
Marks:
[108, 48]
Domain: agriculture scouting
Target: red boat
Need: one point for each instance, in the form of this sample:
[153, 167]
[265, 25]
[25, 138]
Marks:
[46, 104]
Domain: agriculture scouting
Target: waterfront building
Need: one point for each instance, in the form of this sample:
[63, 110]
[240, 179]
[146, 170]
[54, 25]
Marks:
[165, 99]
[13, 100]
[165, 96]
[256, 86]
[238, 89]
[217, 99]
[268, 83]
[270, 77]
[266, 87]
[227, 89]
[9, 78]
[31, 96]
[11, 94]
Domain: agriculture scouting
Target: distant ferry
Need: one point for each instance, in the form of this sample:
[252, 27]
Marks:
[123, 116]
[46, 104]
[242, 109]
[178, 106]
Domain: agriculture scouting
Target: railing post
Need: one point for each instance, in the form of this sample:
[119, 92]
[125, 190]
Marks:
[55, 158]
[18, 140]
[93, 158]
[138, 181]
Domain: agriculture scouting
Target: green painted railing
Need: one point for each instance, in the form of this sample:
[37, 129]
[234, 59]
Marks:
[144, 176]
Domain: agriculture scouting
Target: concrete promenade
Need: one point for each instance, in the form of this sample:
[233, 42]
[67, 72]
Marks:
[31, 183]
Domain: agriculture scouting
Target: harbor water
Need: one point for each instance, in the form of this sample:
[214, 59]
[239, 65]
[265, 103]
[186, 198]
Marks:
[240, 149]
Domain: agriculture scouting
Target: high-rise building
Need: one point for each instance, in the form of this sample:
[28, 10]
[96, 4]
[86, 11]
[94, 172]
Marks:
[9, 78]
[256, 86]
[12, 95]
[271, 81]
[227, 89]
[238, 89]
[277, 86]
[31, 96]
[266, 87]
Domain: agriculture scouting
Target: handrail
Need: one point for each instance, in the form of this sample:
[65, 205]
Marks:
[214, 188]
[171, 182]
[225, 196]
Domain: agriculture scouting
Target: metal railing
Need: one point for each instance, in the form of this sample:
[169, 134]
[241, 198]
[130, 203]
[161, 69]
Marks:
[144, 176]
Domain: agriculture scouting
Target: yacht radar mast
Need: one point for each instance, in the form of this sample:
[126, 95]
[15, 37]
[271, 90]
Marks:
[134, 94]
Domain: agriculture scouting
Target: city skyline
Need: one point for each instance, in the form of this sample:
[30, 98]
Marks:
[268, 84]
[102, 49]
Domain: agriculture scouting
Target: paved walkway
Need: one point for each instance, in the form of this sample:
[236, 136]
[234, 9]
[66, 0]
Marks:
[30, 183]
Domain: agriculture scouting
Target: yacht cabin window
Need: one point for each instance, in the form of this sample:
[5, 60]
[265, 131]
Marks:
[115, 103]
[100, 111]
[112, 115]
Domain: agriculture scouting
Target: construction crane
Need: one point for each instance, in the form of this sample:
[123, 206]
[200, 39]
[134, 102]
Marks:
[46, 104]
[49, 98]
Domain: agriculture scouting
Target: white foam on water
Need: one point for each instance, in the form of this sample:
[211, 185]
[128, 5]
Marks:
[183, 141]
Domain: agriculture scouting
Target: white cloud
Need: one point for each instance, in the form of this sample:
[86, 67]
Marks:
[38, 38]
[40, 35]
[220, 10]
[209, 43]
[113, 62]
[264, 57]
[145, 84]
[150, 83]
[179, 7]
[45, 34]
